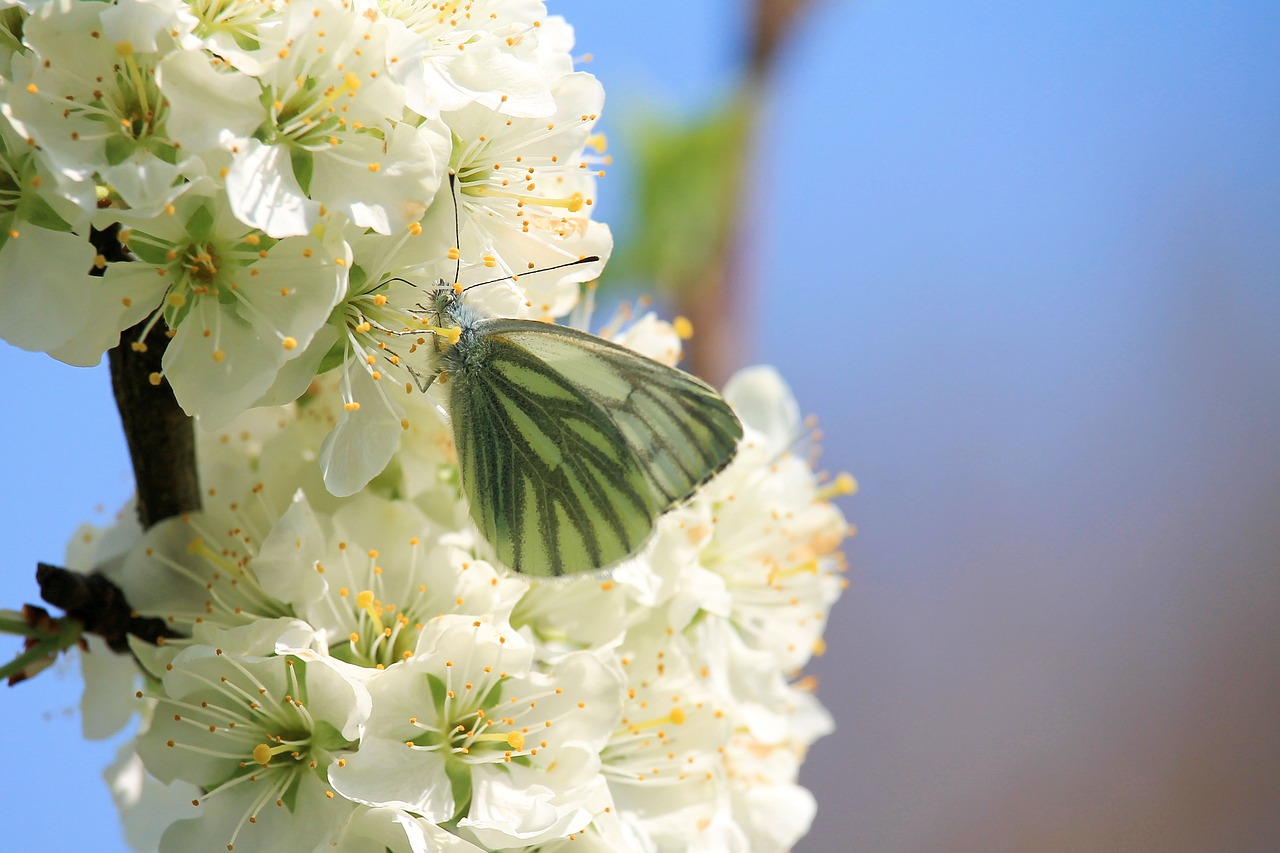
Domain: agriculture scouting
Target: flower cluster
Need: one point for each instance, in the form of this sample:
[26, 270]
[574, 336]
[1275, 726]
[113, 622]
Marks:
[346, 673]
[344, 669]
[280, 172]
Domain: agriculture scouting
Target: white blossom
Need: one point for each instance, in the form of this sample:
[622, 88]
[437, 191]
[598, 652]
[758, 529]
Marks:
[344, 671]
[519, 746]
[257, 734]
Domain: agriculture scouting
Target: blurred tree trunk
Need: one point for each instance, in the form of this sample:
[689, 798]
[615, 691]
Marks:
[716, 297]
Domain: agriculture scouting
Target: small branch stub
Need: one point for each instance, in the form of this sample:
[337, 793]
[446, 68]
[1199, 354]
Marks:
[98, 605]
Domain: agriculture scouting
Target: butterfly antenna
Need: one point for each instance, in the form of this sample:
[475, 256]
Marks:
[457, 225]
[589, 259]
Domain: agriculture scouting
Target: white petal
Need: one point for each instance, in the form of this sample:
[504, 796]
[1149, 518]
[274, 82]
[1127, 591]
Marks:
[212, 387]
[410, 165]
[388, 773]
[297, 374]
[285, 564]
[146, 805]
[314, 821]
[398, 831]
[264, 192]
[362, 443]
[763, 401]
[43, 304]
[146, 183]
[108, 701]
[207, 107]
[261, 637]
[139, 22]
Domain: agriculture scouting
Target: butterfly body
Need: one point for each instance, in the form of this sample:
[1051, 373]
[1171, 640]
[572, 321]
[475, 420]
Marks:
[570, 446]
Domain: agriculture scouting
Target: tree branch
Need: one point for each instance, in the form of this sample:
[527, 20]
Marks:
[162, 445]
[161, 437]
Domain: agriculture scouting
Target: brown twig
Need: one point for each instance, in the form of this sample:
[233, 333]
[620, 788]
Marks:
[98, 605]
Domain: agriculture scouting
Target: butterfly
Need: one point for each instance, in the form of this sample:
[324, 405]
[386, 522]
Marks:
[569, 446]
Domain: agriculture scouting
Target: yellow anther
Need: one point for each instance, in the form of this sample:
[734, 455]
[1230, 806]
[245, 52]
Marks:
[683, 328]
[353, 406]
[219, 356]
[843, 484]
[290, 343]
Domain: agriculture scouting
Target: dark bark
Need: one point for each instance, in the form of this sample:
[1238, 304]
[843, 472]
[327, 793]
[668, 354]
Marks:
[98, 605]
[160, 435]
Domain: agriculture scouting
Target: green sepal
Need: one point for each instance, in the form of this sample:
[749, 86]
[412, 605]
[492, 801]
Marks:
[459, 773]
[303, 167]
[36, 210]
[325, 736]
[199, 224]
[119, 148]
[494, 696]
[439, 693]
[290, 795]
[337, 354]
[150, 252]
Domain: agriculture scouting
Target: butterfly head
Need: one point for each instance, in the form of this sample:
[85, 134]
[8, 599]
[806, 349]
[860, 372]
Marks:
[452, 324]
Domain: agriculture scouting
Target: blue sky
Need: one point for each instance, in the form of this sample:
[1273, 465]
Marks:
[1021, 259]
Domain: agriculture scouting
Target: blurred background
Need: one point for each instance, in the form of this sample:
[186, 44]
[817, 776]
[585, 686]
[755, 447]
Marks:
[1023, 261]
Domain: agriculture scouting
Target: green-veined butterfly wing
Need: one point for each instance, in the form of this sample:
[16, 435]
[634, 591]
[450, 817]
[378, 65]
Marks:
[571, 446]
